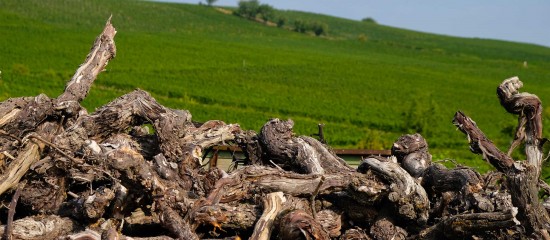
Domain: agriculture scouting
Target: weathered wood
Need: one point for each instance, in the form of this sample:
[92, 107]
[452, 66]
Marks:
[235, 215]
[252, 179]
[439, 179]
[102, 167]
[457, 189]
[480, 144]
[528, 107]
[11, 212]
[103, 50]
[92, 206]
[355, 210]
[355, 234]
[250, 146]
[89, 234]
[522, 178]
[301, 154]
[179, 140]
[172, 221]
[385, 229]
[242, 185]
[10, 109]
[29, 155]
[27, 115]
[409, 199]
[41, 227]
[17, 168]
[412, 153]
[465, 225]
[298, 224]
[331, 222]
[272, 204]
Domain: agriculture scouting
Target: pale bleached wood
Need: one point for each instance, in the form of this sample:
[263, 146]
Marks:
[528, 107]
[273, 204]
[17, 168]
[103, 50]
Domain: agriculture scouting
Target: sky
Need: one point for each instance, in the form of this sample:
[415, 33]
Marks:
[525, 21]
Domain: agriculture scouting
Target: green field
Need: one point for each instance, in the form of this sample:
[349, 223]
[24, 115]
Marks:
[367, 83]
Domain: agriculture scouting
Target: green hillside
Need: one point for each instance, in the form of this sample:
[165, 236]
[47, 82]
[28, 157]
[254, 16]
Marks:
[367, 83]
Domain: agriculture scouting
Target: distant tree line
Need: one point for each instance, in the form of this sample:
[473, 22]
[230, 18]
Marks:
[318, 28]
[253, 9]
[369, 20]
[210, 2]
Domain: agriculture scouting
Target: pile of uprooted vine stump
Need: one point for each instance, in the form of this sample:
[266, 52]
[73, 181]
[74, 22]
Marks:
[66, 173]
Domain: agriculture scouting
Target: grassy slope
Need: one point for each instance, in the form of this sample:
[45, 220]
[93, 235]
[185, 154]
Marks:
[222, 67]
